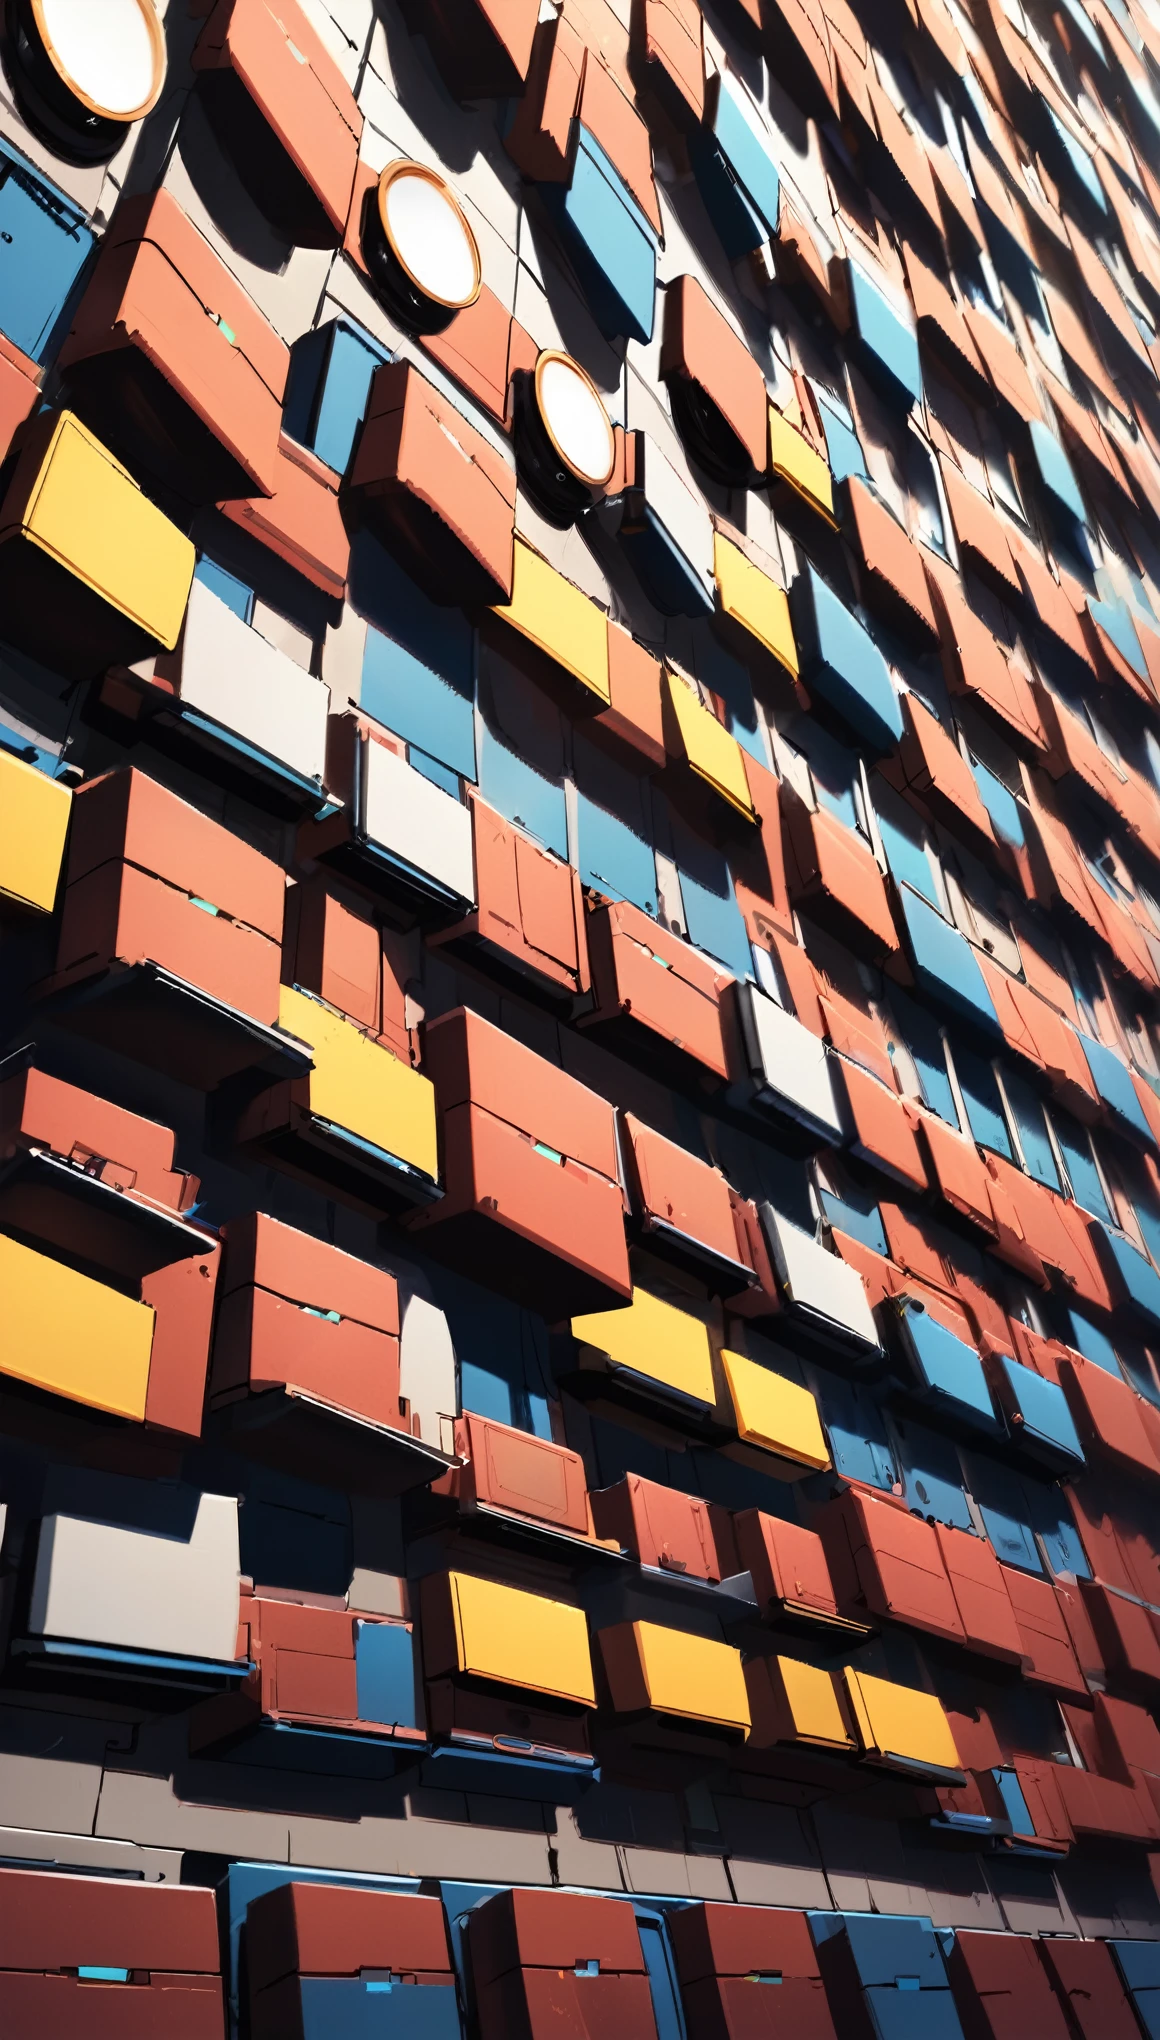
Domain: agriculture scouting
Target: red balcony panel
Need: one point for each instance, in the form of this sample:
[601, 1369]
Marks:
[933, 769]
[131, 1154]
[980, 1593]
[652, 990]
[758, 861]
[895, 585]
[788, 1566]
[338, 1930]
[1129, 1737]
[683, 1205]
[532, 1203]
[981, 535]
[956, 1170]
[882, 1132]
[1104, 1808]
[1039, 1784]
[334, 946]
[1081, 1630]
[482, 47]
[975, 664]
[435, 490]
[536, 2004]
[182, 1298]
[300, 520]
[284, 113]
[889, 1563]
[941, 326]
[833, 878]
[1101, 1532]
[529, 922]
[855, 1032]
[510, 1470]
[724, 1953]
[471, 1719]
[669, 44]
[706, 363]
[1127, 1637]
[553, 1930]
[1090, 1987]
[659, 1526]
[282, 1291]
[19, 390]
[613, 121]
[633, 722]
[1002, 1990]
[166, 1935]
[1048, 1656]
[1108, 1417]
[172, 364]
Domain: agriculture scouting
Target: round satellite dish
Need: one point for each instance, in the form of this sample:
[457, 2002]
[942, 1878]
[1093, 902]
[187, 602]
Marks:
[420, 250]
[565, 445]
[85, 70]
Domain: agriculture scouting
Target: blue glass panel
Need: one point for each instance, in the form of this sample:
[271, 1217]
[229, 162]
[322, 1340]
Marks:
[521, 794]
[1139, 1280]
[1080, 162]
[439, 775]
[843, 447]
[419, 665]
[1006, 1515]
[948, 1370]
[749, 153]
[1116, 620]
[907, 858]
[44, 245]
[983, 1102]
[503, 1356]
[888, 343]
[226, 586]
[1000, 804]
[1049, 1517]
[327, 390]
[854, 1427]
[841, 662]
[737, 175]
[368, 2010]
[1056, 470]
[921, 1036]
[932, 1478]
[1032, 1130]
[712, 916]
[861, 1225]
[611, 244]
[1044, 1409]
[1083, 1175]
[945, 964]
[833, 769]
[1093, 1343]
[739, 225]
[669, 579]
[1114, 1084]
[385, 1673]
[1014, 1804]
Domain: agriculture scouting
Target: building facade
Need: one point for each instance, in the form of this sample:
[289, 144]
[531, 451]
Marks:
[580, 941]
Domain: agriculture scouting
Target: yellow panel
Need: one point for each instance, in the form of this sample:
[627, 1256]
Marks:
[692, 1676]
[707, 746]
[793, 458]
[812, 1702]
[559, 619]
[754, 601]
[70, 1335]
[359, 1085]
[775, 1413]
[34, 814]
[656, 1339]
[895, 1721]
[521, 1639]
[86, 511]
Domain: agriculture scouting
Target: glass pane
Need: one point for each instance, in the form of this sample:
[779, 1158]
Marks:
[983, 1103]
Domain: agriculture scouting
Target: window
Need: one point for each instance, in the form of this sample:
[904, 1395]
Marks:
[983, 1102]
[226, 586]
[1031, 1126]
[614, 828]
[924, 1042]
[834, 772]
[1094, 1344]
[503, 1357]
[521, 753]
[1079, 1160]
[418, 668]
[905, 842]
[932, 1476]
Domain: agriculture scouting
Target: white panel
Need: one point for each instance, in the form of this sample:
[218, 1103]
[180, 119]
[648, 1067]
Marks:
[229, 672]
[427, 1371]
[817, 1281]
[679, 509]
[407, 815]
[793, 1068]
[135, 1590]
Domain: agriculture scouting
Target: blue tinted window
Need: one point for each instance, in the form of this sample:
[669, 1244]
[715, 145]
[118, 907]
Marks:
[503, 1356]
[44, 245]
[712, 916]
[327, 390]
[1000, 804]
[834, 768]
[983, 1103]
[1075, 1146]
[1006, 1514]
[861, 1225]
[922, 1038]
[614, 828]
[1032, 1126]
[521, 753]
[1092, 1343]
[843, 448]
[908, 860]
[854, 1426]
[1048, 1513]
[932, 1478]
[419, 665]
[226, 587]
